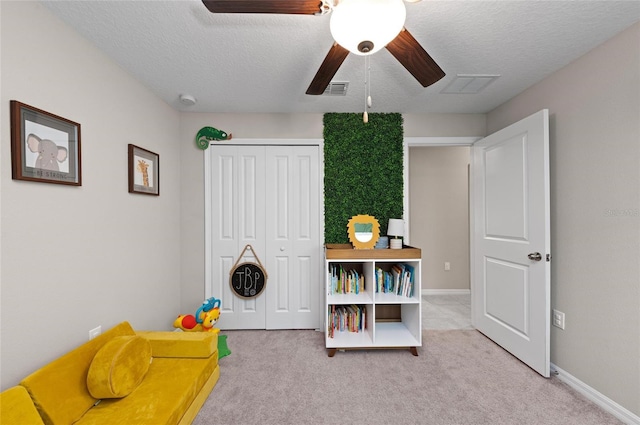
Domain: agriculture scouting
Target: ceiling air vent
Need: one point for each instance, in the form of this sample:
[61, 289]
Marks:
[469, 83]
[336, 88]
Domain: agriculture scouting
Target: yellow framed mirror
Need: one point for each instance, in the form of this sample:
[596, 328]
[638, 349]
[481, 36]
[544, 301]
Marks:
[364, 231]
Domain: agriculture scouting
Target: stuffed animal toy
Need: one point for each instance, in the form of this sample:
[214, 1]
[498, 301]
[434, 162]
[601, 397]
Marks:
[209, 319]
[208, 305]
[187, 323]
[206, 316]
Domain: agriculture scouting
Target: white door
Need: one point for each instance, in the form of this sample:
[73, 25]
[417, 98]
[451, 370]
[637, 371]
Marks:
[511, 239]
[237, 218]
[293, 228]
[266, 197]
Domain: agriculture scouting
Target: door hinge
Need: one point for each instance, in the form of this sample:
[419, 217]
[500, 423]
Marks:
[548, 257]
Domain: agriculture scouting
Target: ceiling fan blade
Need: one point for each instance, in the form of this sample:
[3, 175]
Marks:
[287, 7]
[328, 69]
[412, 56]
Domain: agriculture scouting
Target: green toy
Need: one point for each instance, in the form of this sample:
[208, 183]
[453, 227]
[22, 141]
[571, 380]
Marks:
[209, 134]
[223, 350]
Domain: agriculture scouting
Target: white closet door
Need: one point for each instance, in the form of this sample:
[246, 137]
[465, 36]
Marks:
[268, 197]
[237, 219]
[293, 244]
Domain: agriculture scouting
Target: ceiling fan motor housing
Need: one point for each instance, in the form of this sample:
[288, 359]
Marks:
[365, 46]
[365, 26]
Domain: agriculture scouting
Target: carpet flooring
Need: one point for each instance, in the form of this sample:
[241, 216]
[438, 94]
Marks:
[460, 377]
[446, 311]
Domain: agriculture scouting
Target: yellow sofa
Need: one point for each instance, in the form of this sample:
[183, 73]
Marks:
[119, 377]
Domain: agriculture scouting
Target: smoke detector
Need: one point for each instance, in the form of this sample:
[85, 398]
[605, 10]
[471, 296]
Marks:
[187, 100]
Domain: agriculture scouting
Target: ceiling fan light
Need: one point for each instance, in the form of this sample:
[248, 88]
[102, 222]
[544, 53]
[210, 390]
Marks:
[365, 26]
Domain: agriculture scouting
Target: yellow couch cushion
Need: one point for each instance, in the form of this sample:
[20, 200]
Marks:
[169, 388]
[119, 367]
[181, 344]
[59, 389]
[16, 407]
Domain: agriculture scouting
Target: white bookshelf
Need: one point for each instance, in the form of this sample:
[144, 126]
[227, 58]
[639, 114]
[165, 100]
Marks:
[391, 321]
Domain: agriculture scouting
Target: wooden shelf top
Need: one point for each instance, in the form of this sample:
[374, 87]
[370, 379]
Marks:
[346, 251]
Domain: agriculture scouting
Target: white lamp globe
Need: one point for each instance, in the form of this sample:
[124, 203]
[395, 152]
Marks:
[365, 26]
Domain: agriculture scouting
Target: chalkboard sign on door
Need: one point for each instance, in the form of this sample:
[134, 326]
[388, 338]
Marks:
[248, 279]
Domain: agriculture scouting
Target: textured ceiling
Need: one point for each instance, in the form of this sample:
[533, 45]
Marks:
[264, 63]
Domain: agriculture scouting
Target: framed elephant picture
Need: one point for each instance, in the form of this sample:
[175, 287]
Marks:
[44, 147]
[144, 171]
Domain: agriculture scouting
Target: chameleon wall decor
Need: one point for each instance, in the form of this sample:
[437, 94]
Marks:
[209, 134]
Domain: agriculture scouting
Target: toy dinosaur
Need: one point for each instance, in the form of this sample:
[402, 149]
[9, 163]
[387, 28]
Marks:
[209, 134]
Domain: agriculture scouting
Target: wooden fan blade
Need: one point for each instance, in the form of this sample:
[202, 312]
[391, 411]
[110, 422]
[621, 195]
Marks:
[412, 56]
[286, 7]
[328, 69]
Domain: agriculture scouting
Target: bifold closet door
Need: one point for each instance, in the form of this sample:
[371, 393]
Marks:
[267, 197]
[237, 219]
[293, 238]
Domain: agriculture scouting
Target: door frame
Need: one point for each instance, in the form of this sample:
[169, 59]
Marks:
[441, 142]
[208, 213]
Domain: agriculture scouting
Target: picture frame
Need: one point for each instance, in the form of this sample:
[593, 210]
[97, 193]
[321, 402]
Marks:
[363, 231]
[44, 147]
[144, 171]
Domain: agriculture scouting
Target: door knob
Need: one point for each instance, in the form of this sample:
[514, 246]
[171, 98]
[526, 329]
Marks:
[281, 248]
[535, 256]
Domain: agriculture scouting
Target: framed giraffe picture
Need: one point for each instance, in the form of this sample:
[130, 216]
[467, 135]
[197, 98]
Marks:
[144, 171]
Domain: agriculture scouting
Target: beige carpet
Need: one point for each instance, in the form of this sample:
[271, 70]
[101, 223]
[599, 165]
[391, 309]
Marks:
[460, 377]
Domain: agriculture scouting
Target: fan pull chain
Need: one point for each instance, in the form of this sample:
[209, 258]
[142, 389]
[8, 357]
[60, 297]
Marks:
[367, 89]
[369, 80]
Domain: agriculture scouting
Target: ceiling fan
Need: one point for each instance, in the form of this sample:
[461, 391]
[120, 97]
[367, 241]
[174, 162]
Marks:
[359, 26]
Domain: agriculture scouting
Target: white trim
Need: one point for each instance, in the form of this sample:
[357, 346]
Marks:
[446, 292]
[321, 287]
[405, 191]
[441, 141]
[596, 397]
[208, 247]
[472, 233]
[270, 142]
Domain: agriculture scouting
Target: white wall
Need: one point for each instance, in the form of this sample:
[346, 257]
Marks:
[594, 106]
[444, 125]
[439, 213]
[74, 258]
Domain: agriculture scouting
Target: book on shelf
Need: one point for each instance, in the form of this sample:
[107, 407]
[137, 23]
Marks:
[346, 318]
[345, 281]
[398, 280]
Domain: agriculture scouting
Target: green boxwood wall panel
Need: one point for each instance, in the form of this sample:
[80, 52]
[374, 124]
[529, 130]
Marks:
[363, 171]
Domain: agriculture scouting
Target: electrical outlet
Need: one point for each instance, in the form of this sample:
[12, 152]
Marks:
[558, 319]
[447, 266]
[95, 332]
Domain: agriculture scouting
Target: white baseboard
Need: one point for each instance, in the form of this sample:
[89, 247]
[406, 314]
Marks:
[446, 291]
[598, 398]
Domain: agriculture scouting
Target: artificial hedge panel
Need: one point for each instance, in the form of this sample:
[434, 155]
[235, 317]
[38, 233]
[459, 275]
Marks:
[362, 172]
